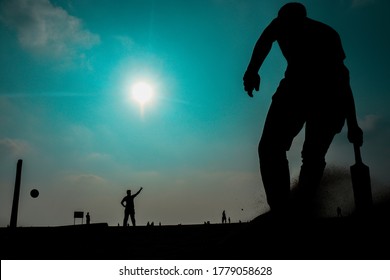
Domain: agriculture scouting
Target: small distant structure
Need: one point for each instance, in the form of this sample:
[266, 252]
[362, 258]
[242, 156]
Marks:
[78, 215]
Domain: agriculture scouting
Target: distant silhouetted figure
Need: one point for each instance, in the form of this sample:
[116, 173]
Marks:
[129, 207]
[223, 217]
[339, 212]
[314, 92]
[88, 218]
[229, 220]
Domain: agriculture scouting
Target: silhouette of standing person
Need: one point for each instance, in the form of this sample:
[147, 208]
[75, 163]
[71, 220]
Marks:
[128, 203]
[223, 217]
[88, 217]
[315, 92]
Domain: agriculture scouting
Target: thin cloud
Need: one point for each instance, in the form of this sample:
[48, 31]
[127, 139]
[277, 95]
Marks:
[86, 179]
[369, 122]
[361, 3]
[45, 29]
[95, 156]
[13, 147]
[126, 42]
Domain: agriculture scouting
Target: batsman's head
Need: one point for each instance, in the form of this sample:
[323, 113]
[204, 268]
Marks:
[292, 12]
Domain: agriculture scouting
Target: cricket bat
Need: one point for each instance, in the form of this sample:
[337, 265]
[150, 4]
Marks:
[361, 184]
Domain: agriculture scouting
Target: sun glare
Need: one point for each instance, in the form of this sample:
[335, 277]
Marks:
[142, 92]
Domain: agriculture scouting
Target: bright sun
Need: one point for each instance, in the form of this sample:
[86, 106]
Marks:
[142, 92]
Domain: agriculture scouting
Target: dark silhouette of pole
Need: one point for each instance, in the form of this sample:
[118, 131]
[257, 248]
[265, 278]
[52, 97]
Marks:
[15, 203]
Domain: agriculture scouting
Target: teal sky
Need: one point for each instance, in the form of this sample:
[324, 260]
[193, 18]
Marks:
[66, 69]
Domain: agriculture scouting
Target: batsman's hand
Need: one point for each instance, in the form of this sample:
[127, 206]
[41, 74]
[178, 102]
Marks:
[355, 135]
[251, 82]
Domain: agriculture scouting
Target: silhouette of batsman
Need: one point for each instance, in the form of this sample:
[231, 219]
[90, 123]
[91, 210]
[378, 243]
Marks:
[315, 92]
[129, 207]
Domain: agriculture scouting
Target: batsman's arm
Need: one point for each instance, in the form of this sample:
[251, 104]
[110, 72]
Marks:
[355, 133]
[260, 52]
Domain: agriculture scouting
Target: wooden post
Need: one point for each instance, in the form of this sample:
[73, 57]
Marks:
[15, 203]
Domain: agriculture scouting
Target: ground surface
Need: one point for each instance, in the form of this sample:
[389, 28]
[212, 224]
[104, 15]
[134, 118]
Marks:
[333, 238]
